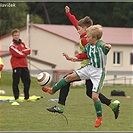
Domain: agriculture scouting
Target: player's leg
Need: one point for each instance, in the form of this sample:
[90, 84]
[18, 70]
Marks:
[62, 99]
[98, 108]
[16, 79]
[63, 94]
[25, 76]
[115, 105]
[63, 82]
[97, 78]
[103, 99]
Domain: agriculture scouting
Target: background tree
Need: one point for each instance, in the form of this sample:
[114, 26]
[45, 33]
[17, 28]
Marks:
[15, 17]
[108, 14]
[112, 14]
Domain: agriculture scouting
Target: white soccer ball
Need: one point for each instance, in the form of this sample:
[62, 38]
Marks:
[44, 78]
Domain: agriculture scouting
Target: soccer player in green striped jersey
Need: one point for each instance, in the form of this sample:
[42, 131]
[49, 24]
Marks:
[95, 70]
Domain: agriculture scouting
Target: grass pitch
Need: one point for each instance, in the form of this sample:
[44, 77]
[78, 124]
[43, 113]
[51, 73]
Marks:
[79, 110]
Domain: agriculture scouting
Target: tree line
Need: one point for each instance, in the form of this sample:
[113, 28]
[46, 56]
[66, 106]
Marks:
[108, 14]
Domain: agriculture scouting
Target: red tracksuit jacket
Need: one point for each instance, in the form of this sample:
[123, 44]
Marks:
[19, 53]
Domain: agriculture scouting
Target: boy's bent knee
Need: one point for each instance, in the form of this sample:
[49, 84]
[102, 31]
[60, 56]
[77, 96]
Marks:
[95, 96]
[68, 78]
[71, 77]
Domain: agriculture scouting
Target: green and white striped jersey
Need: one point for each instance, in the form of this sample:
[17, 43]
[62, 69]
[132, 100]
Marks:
[97, 54]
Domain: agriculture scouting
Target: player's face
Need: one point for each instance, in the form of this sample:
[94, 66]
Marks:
[16, 36]
[90, 39]
[81, 30]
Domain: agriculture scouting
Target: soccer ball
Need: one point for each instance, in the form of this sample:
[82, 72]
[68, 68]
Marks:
[44, 78]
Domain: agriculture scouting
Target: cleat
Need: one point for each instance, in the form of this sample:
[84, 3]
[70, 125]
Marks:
[49, 90]
[98, 121]
[45, 89]
[116, 110]
[55, 109]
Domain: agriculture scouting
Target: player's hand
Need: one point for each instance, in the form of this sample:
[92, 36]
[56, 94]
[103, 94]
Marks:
[67, 56]
[67, 9]
[108, 46]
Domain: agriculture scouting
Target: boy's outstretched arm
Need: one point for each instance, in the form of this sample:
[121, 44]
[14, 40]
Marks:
[71, 17]
[67, 56]
[73, 59]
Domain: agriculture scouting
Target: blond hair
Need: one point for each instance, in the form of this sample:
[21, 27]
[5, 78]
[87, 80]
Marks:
[95, 31]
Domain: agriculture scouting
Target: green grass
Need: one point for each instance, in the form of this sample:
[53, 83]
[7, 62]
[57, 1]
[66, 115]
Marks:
[79, 110]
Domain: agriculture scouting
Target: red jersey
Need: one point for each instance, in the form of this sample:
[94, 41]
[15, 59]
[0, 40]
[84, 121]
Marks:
[19, 51]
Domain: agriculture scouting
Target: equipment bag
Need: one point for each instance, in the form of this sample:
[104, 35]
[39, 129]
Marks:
[117, 93]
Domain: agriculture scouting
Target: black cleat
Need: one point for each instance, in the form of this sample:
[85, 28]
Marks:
[55, 109]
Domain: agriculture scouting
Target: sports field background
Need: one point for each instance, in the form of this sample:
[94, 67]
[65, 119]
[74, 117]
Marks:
[79, 110]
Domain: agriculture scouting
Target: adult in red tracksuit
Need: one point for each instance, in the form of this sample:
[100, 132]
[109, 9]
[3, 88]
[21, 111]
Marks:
[19, 64]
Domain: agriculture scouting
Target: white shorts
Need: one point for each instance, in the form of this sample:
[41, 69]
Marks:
[97, 76]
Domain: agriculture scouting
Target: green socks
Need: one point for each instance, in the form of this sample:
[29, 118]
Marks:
[59, 85]
[98, 108]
